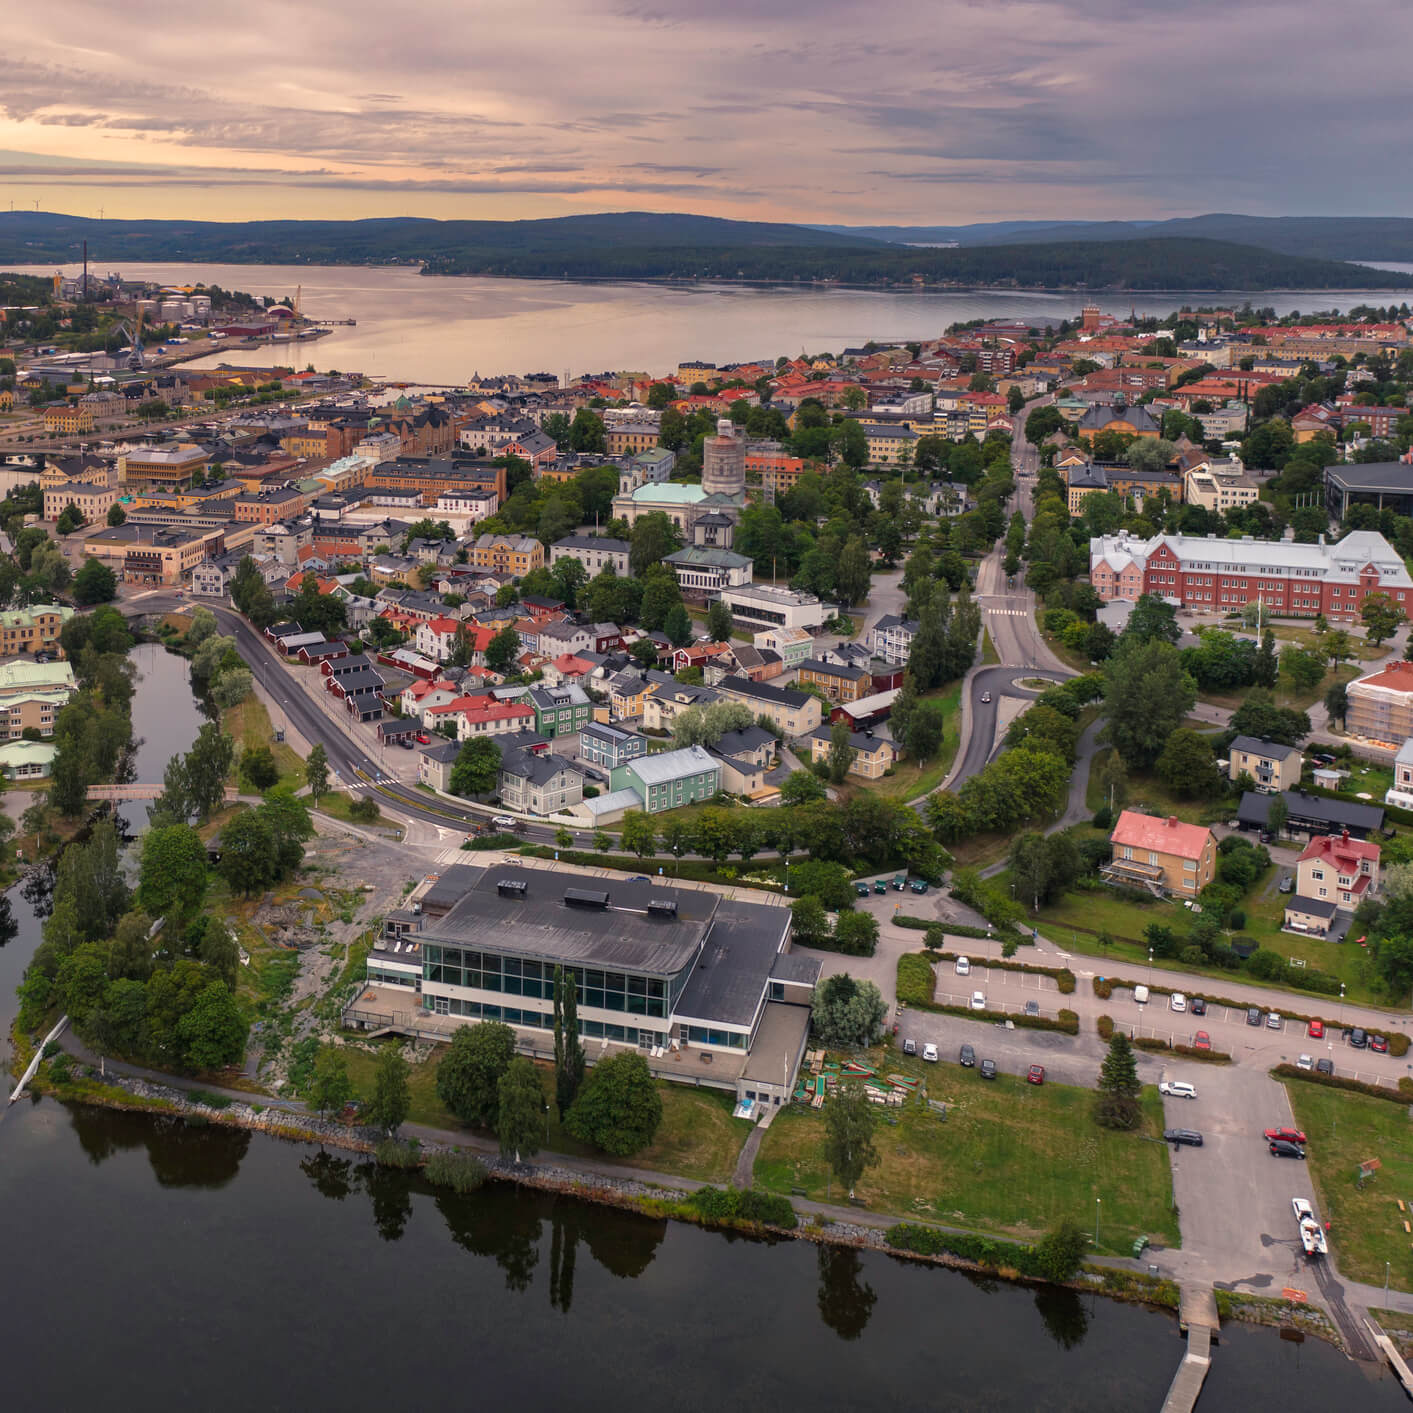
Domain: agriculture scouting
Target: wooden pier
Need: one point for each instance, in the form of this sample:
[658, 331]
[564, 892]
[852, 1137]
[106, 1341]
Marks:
[1197, 1317]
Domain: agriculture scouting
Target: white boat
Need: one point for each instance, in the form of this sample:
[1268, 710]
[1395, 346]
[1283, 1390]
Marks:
[1312, 1234]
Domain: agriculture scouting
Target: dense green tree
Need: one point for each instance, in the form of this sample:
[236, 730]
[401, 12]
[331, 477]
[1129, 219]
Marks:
[1119, 1086]
[331, 1088]
[800, 787]
[586, 431]
[248, 852]
[502, 650]
[1152, 619]
[477, 768]
[848, 1012]
[678, 626]
[854, 572]
[618, 1109]
[392, 1098]
[1381, 617]
[1303, 668]
[173, 875]
[116, 516]
[568, 1051]
[212, 1031]
[468, 1077]
[1147, 694]
[316, 772]
[95, 583]
[639, 833]
[521, 1109]
[1337, 702]
[849, 1123]
[841, 751]
[258, 768]
[1060, 1253]
[654, 537]
[719, 623]
[1188, 767]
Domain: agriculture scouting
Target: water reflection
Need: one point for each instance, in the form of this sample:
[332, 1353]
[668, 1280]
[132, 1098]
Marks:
[37, 889]
[9, 927]
[505, 1229]
[846, 1300]
[332, 1177]
[1063, 1313]
[391, 1194]
[623, 1245]
[181, 1154]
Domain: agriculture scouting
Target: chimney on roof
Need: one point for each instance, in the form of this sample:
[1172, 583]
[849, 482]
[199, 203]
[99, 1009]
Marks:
[1344, 838]
[1172, 821]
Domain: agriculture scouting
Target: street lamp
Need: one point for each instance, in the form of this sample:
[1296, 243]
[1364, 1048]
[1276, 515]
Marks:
[1098, 1205]
[1150, 966]
[1341, 1005]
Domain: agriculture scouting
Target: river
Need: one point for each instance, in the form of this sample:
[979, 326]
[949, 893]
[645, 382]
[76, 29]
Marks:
[147, 1261]
[442, 330]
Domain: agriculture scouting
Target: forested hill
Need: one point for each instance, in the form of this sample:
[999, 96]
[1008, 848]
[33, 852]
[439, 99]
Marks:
[647, 245]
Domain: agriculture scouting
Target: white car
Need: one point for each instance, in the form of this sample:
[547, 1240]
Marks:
[985, 697]
[1178, 1089]
[1179, 1001]
[929, 1052]
[1305, 1063]
[503, 821]
[963, 966]
[1140, 995]
[978, 1000]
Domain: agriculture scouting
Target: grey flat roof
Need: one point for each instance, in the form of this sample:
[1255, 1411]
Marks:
[540, 924]
[1318, 907]
[795, 966]
[1393, 476]
[730, 976]
[1252, 746]
[1346, 814]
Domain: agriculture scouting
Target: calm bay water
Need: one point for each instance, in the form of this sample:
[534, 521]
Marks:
[442, 330]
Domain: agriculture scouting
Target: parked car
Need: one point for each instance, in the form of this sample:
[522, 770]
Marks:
[1035, 1074]
[1305, 1063]
[1287, 884]
[978, 1000]
[929, 1053]
[880, 885]
[1178, 1001]
[918, 885]
[900, 881]
[988, 1069]
[1197, 1006]
[1273, 1021]
[963, 966]
[1178, 1089]
[1140, 995]
[861, 889]
[1177, 1136]
[1282, 1149]
[1324, 1066]
[423, 739]
[1253, 1015]
[1315, 1030]
[1032, 1008]
[1378, 1043]
[910, 1046]
[1267, 837]
[1286, 1135]
[1359, 1037]
[968, 1057]
[1201, 1041]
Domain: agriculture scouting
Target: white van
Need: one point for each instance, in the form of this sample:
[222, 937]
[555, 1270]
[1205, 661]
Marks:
[1140, 994]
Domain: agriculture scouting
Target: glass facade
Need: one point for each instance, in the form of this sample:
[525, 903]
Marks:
[533, 1020]
[701, 1035]
[522, 976]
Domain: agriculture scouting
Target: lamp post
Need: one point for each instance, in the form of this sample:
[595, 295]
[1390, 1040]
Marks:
[1150, 966]
[1341, 1005]
[1098, 1207]
[1386, 1265]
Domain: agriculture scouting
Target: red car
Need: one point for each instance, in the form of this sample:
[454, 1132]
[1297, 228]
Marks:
[423, 739]
[1285, 1135]
[1036, 1075]
[1316, 1030]
[1378, 1043]
[1201, 1041]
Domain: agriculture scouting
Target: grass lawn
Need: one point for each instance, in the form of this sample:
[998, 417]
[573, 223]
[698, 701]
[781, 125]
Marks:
[338, 806]
[989, 655]
[249, 723]
[1010, 1158]
[1366, 778]
[697, 1138]
[1284, 695]
[1366, 1227]
[1147, 792]
[909, 780]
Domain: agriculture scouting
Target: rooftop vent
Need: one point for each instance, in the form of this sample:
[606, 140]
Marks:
[585, 898]
[512, 887]
[662, 907]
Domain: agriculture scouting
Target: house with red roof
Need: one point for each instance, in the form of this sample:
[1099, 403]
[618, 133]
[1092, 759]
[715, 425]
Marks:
[1334, 870]
[483, 716]
[1164, 855]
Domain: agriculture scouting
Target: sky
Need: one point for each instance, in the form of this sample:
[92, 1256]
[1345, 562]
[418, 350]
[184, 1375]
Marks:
[892, 112]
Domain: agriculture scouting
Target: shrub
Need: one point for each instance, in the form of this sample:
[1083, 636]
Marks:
[717, 1204]
[1236, 919]
[1398, 1045]
[364, 809]
[1335, 1081]
[1405, 1086]
[1069, 1021]
[917, 982]
[1065, 981]
[392, 1154]
[459, 1171]
[1103, 987]
[1105, 1026]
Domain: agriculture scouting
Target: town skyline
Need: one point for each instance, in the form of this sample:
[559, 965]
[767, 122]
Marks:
[1068, 109]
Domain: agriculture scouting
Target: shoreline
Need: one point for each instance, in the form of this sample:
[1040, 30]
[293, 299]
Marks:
[122, 1092]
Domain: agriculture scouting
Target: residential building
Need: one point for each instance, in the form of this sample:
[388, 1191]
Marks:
[86, 483]
[670, 778]
[660, 970]
[839, 682]
[609, 746]
[162, 466]
[662, 707]
[27, 760]
[509, 554]
[751, 743]
[34, 629]
[1400, 793]
[769, 606]
[435, 763]
[891, 638]
[595, 553]
[1126, 421]
[1164, 855]
[480, 716]
[791, 712]
[1272, 766]
[1381, 705]
[538, 784]
[873, 756]
[1219, 486]
[1338, 869]
[703, 571]
[792, 645]
[32, 694]
[68, 419]
[560, 711]
[1212, 574]
[1311, 814]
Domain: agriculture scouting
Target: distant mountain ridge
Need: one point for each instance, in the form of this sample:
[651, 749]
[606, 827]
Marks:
[1324, 237]
[641, 245]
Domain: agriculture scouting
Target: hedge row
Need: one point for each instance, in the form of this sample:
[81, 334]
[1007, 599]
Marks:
[1064, 977]
[729, 1204]
[1066, 1024]
[1190, 1052]
[917, 982]
[1401, 1095]
[955, 929]
[983, 1250]
[1105, 1026]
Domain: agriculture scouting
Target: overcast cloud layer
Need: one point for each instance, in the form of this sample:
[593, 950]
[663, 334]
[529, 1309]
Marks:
[810, 110]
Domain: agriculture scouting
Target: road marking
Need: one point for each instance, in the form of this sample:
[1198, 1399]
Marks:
[1010, 612]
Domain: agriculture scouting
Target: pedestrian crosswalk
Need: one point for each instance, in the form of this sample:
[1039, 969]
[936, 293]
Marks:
[1009, 612]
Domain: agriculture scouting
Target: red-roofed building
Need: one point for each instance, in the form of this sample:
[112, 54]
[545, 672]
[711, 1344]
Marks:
[1336, 869]
[1162, 854]
[480, 716]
